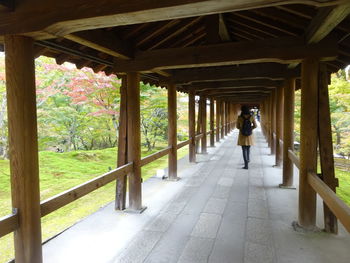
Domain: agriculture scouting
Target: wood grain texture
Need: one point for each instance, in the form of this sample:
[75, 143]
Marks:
[281, 50]
[23, 146]
[8, 224]
[326, 147]
[60, 18]
[172, 131]
[120, 199]
[211, 121]
[203, 105]
[134, 140]
[192, 125]
[308, 142]
[288, 131]
[335, 204]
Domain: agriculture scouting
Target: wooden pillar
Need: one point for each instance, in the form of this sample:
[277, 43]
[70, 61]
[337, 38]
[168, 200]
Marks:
[268, 117]
[120, 200]
[226, 118]
[134, 140]
[279, 125]
[23, 146]
[204, 124]
[172, 132]
[212, 133]
[217, 119]
[308, 141]
[192, 125]
[199, 125]
[326, 147]
[288, 132]
[222, 118]
[272, 121]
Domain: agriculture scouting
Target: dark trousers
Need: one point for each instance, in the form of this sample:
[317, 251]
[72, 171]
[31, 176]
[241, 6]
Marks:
[246, 152]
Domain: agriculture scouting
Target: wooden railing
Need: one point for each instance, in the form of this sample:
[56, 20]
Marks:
[294, 158]
[10, 223]
[339, 208]
[335, 204]
[183, 144]
[66, 197]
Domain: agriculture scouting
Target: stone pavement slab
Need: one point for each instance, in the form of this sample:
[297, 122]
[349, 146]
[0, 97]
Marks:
[216, 213]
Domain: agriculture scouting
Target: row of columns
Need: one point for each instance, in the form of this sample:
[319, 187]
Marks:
[277, 112]
[23, 143]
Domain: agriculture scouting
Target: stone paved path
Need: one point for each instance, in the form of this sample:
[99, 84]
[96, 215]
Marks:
[218, 212]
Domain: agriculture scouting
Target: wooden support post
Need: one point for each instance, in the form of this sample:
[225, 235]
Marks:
[23, 146]
[204, 124]
[172, 132]
[191, 125]
[226, 118]
[269, 115]
[308, 141]
[217, 119]
[199, 125]
[273, 122]
[212, 133]
[134, 140]
[288, 132]
[120, 200]
[279, 125]
[326, 147]
[222, 113]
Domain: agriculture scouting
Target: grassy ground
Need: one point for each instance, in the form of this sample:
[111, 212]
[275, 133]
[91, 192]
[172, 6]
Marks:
[61, 171]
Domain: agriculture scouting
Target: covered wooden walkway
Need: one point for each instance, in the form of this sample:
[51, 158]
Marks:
[218, 212]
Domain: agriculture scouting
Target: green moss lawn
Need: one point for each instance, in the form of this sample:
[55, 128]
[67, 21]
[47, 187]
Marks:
[61, 171]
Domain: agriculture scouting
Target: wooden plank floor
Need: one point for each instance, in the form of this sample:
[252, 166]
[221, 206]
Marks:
[217, 212]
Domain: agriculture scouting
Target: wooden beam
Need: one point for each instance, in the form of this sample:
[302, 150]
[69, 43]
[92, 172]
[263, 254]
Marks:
[172, 132]
[103, 41]
[325, 21]
[63, 17]
[270, 71]
[23, 146]
[243, 91]
[9, 4]
[283, 50]
[233, 84]
[178, 29]
[223, 31]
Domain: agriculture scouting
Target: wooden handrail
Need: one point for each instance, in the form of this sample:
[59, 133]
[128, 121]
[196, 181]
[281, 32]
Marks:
[150, 158]
[8, 224]
[66, 197]
[294, 158]
[183, 144]
[198, 136]
[335, 204]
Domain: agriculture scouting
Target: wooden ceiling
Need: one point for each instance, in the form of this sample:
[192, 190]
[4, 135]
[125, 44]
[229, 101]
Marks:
[225, 49]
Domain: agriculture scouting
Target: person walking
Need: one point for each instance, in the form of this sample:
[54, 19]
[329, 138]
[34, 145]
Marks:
[245, 124]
